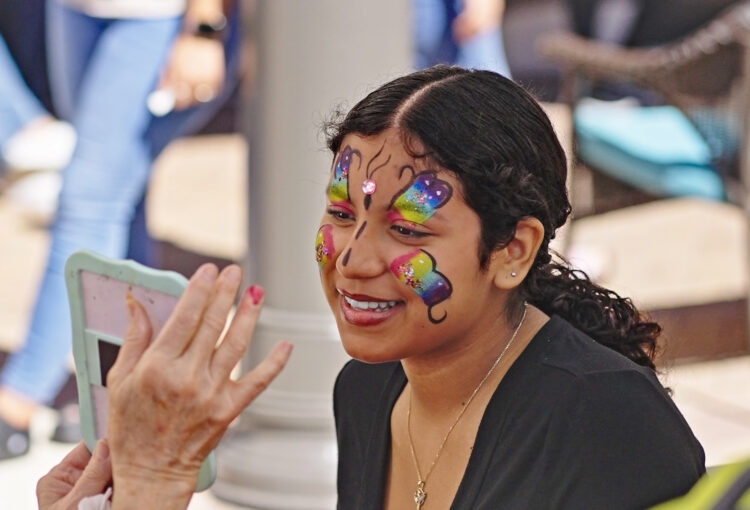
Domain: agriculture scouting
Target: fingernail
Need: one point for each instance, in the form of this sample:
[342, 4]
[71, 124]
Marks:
[207, 272]
[288, 347]
[130, 302]
[233, 273]
[256, 292]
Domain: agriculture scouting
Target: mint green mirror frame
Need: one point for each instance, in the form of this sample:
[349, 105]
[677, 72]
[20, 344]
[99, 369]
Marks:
[85, 339]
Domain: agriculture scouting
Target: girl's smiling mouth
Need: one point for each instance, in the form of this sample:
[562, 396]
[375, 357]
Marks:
[364, 310]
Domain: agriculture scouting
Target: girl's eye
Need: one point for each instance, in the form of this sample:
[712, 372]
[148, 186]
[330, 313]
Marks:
[407, 232]
[339, 214]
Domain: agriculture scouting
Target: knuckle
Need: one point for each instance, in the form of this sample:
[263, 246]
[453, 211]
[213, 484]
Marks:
[219, 419]
[235, 348]
[186, 322]
[185, 390]
[152, 375]
[41, 484]
[214, 321]
[261, 384]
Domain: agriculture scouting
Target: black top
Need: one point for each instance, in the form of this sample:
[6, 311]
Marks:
[572, 424]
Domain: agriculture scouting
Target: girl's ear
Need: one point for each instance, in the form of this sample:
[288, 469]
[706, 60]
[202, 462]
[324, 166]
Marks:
[511, 264]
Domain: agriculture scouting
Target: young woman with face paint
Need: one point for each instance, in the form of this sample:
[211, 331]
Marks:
[493, 377]
[486, 375]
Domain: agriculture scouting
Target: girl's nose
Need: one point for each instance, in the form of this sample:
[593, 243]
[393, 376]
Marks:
[361, 257]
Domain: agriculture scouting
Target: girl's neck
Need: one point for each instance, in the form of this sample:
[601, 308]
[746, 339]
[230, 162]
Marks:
[441, 383]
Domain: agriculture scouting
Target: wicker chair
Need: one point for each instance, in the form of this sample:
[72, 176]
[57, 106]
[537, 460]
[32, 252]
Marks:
[706, 75]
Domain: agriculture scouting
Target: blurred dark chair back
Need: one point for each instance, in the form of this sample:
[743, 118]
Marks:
[704, 75]
[664, 21]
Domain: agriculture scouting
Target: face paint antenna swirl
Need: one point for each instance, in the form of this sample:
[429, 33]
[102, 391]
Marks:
[368, 185]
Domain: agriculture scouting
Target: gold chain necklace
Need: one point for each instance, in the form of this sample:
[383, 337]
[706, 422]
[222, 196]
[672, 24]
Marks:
[420, 495]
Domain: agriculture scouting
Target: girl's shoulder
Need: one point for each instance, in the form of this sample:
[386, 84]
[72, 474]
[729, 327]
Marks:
[559, 345]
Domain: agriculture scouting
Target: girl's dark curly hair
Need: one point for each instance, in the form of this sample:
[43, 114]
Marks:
[500, 145]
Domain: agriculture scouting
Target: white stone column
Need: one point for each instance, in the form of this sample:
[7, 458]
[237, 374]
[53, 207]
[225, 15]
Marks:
[312, 56]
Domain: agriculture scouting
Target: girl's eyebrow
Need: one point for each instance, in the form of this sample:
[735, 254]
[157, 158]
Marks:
[394, 215]
[344, 204]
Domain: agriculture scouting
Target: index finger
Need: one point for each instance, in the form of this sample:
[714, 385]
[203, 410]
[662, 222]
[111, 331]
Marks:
[181, 326]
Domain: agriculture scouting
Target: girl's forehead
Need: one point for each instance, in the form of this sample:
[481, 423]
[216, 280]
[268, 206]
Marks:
[388, 146]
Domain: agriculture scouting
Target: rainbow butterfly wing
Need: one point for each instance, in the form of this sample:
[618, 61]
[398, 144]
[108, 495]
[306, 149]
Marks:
[324, 246]
[339, 190]
[417, 270]
[419, 201]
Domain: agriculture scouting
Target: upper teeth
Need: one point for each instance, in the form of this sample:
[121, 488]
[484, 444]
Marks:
[378, 306]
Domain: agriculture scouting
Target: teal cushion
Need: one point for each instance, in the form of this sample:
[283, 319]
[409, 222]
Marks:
[656, 149]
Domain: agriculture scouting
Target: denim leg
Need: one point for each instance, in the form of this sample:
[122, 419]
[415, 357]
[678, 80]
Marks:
[163, 130]
[433, 29]
[432, 22]
[18, 105]
[484, 51]
[101, 186]
[71, 39]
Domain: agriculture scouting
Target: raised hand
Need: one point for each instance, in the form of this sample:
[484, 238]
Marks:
[195, 72]
[172, 399]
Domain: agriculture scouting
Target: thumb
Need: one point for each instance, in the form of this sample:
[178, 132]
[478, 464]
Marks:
[96, 476]
[136, 341]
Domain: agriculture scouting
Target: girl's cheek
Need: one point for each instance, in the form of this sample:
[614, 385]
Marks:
[325, 248]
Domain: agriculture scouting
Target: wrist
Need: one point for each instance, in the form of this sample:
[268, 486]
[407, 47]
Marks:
[151, 489]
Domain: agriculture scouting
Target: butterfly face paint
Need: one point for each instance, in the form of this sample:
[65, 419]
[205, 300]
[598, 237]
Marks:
[324, 248]
[339, 190]
[421, 198]
[417, 270]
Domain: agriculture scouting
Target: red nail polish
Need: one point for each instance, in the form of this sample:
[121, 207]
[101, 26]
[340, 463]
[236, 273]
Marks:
[256, 292]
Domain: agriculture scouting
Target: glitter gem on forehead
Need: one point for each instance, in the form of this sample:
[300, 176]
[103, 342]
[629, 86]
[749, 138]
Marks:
[369, 186]
[417, 270]
[324, 248]
[339, 190]
[422, 197]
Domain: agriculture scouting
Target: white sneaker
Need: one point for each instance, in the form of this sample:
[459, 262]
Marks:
[36, 195]
[45, 145]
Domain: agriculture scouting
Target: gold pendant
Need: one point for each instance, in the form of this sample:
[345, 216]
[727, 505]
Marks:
[420, 495]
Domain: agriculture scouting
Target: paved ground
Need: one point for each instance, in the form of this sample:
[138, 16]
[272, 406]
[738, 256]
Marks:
[714, 396]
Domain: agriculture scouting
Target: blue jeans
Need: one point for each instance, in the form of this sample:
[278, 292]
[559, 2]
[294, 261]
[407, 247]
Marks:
[433, 29]
[18, 105]
[102, 71]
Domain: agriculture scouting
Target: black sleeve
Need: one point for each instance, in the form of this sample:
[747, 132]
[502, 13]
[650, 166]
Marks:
[622, 443]
[342, 413]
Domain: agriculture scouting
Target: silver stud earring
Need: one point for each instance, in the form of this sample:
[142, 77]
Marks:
[513, 274]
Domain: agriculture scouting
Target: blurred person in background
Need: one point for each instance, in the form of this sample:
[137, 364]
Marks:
[463, 32]
[130, 76]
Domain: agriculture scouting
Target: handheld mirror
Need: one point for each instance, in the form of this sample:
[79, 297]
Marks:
[97, 290]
